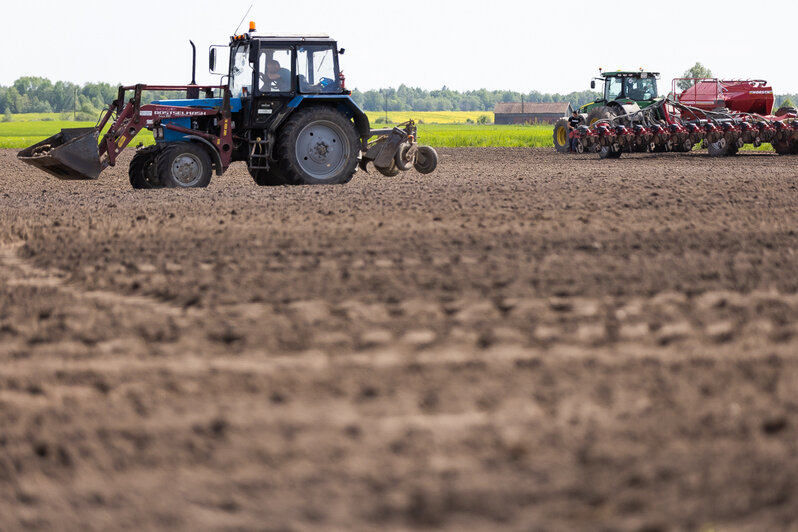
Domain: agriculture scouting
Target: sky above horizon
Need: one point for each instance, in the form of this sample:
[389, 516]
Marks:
[464, 45]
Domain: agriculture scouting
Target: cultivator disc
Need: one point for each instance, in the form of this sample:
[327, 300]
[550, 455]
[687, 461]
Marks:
[672, 126]
[71, 154]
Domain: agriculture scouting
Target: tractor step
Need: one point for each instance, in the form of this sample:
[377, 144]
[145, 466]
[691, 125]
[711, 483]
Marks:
[71, 154]
[259, 154]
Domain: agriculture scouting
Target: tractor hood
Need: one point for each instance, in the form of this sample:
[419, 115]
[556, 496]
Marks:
[207, 103]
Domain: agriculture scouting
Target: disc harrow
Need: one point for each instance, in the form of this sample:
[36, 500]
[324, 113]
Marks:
[672, 126]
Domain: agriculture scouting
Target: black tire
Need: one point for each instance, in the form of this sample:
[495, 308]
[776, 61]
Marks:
[659, 148]
[426, 160]
[318, 146]
[184, 165]
[389, 171]
[560, 135]
[782, 147]
[600, 113]
[722, 148]
[683, 146]
[272, 177]
[609, 153]
[142, 170]
[719, 148]
[403, 162]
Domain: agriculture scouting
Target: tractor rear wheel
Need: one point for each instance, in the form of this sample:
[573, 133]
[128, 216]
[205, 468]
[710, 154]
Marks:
[600, 113]
[318, 145]
[184, 165]
[142, 170]
[561, 135]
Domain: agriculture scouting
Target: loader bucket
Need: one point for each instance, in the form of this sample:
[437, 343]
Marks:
[71, 154]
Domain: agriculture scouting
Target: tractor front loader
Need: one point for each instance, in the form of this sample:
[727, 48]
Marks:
[284, 110]
[76, 154]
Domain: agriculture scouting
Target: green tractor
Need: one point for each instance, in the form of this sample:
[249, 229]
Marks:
[624, 93]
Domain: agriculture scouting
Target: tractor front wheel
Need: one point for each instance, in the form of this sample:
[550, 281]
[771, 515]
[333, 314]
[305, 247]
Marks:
[318, 145]
[561, 135]
[142, 170]
[184, 165]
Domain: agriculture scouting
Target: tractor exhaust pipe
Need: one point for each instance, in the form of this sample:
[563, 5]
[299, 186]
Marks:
[193, 92]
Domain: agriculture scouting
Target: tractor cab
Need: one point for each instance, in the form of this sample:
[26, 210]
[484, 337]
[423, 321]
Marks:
[268, 72]
[270, 65]
[633, 86]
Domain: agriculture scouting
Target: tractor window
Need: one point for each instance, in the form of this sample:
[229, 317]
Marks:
[240, 71]
[641, 88]
[317, 69]
[274, 70]
[612, 88]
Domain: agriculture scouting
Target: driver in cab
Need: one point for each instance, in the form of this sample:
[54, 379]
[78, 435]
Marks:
[275, 79]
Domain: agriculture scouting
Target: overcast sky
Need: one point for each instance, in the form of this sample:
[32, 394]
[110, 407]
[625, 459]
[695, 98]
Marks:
[463, 44]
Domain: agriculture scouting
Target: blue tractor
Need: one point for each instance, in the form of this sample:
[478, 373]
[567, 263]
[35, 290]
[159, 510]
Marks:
[284, 109]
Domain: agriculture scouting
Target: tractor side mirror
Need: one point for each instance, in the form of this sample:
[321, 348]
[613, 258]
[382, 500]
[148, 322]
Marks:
[214, 59]
[592, 83]
[341, 51]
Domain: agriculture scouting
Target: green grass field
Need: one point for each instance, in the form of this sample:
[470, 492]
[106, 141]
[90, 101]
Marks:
[452, 131]
[430, 117]
[464, 135]
[20, 134]
[23, 133]
[37, 117]
[447, 129]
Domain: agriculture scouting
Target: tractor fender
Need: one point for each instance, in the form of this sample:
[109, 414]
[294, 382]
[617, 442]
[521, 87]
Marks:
[217, 159]
[343, 103]
[623, 109]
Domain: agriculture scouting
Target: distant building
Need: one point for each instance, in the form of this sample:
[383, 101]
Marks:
[530, 112]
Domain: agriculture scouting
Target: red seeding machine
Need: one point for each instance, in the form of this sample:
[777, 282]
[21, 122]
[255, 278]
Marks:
[724, 115]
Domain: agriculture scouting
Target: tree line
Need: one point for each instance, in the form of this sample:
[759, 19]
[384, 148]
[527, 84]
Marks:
[31, 94]
[407, 98]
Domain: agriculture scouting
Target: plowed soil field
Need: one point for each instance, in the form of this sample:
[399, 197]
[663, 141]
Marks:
[519, 341]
